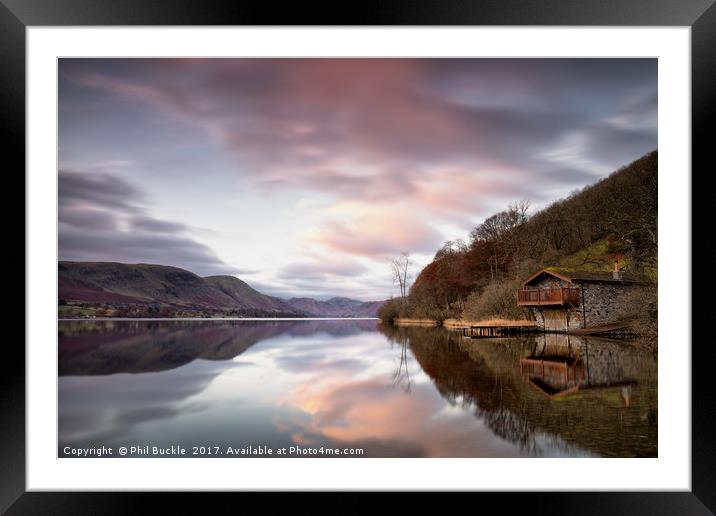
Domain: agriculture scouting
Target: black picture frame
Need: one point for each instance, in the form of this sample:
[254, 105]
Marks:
[17, 15]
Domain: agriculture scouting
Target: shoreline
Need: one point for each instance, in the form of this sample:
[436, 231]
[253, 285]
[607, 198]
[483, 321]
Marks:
[449, 324]
[415, 322]
[459, 323]
[218, 319]
[528, 327]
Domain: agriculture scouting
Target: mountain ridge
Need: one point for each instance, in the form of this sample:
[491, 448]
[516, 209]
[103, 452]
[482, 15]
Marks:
[336, 307]
[115, 289]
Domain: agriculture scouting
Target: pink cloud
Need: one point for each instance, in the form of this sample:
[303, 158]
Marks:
[376, 233]
[353, 128]
[374, 410]
[449, 138]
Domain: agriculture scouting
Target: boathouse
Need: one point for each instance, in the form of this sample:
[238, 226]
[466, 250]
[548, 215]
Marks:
[562, 299]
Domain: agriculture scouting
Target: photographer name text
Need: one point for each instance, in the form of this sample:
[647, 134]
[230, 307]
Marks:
[208, 451]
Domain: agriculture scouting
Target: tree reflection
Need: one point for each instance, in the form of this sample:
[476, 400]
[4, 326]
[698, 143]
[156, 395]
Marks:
[613, 413]
[401, 376]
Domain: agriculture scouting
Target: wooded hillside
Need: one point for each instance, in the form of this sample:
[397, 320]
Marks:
[612, 219]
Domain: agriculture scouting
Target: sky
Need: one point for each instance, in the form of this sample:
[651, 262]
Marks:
[304, 177]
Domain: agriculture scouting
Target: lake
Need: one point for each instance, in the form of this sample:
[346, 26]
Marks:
[349, 387]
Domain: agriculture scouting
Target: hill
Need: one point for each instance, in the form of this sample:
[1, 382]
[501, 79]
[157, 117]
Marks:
[120, 289]
[137, 283]
[113, 289]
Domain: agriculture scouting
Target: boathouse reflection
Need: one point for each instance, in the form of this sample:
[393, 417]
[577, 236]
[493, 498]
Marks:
[559, 365]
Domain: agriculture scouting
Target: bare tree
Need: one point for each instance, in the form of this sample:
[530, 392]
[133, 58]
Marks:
[399, 267]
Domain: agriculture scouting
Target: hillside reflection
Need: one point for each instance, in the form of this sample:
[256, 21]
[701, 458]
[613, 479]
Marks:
[110, 347]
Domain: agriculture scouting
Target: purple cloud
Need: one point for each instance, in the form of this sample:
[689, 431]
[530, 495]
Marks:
[339, 124]
[94, 207]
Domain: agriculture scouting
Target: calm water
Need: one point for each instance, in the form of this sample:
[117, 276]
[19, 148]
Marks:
[394, 392]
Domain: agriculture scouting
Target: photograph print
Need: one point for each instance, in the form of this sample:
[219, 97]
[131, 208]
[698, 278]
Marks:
[357, 258]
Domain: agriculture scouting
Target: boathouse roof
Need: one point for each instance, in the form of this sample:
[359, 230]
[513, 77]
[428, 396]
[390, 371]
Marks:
[581, 276]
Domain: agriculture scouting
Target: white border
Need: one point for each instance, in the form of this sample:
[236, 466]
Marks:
[671, 471]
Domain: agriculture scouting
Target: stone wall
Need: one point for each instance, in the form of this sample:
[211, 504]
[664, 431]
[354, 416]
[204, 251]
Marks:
[604, 303]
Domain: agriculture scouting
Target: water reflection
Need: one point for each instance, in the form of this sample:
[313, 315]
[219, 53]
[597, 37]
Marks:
[559, 365]
[393, 391]
[108, 347]
[597, 394]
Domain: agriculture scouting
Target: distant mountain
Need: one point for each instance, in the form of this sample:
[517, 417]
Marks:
[165, 289]
[120, 289]
[136, 283]
[336, 307]
[344, 302]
